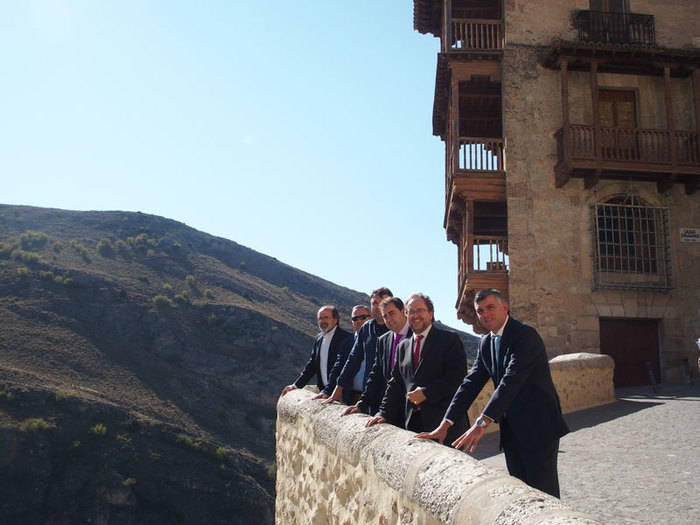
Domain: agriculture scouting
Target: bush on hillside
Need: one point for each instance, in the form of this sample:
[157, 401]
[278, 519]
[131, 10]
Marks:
[29, 258]
[34, 424]
[5, 250]
[30, 240]
[80, 250]
[163, 302]
[105, 248]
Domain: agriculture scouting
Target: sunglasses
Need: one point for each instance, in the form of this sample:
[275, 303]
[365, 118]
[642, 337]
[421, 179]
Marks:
[358, 317]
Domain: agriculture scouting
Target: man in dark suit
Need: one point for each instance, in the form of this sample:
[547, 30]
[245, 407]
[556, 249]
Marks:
[328, 344]
[394, 315]
[525, 402]
[429, 368]
[355, 370]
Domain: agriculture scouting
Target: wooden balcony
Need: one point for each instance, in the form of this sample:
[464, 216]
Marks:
[615, 28]
[483, 263]
[467, 34]
[660, 155]
[475, 172]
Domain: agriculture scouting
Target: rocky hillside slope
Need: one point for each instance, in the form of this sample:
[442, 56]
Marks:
[175, 341]
[140, 364]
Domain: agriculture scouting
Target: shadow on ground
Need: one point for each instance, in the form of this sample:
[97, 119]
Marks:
[629, 400]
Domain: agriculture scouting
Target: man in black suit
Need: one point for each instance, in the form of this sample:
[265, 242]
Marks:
[394, 315]
[328, 344]
[429, 368]
[525, 402]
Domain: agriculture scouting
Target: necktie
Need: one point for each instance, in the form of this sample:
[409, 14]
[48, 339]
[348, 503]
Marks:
[495, 345]
[416, 352]
[397, 338]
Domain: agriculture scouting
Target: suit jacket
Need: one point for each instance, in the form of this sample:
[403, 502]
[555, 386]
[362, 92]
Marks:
[339, 343]
[379, 375]
[364, 349]
[440, 370]
[525, 402]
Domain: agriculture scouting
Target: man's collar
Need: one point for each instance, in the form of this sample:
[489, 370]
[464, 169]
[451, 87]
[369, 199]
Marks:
[500, 330]
[405, 328]
[425, 332]
[330, 332]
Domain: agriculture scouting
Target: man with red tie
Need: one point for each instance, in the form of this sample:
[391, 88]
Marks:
[429, 368]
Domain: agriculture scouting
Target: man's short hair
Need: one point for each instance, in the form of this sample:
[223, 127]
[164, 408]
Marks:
[381, 292]
[487, 292]
[332, 308]
[426, 299]
[359, 306]
[396, 301]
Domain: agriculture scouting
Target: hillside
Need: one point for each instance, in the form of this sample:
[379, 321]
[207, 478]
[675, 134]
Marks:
[165, 335]
[140, 364]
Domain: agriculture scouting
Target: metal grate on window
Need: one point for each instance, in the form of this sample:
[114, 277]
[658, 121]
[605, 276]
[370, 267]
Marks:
[632, 249]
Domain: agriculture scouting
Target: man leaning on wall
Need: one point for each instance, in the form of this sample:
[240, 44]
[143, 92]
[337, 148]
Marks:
[524, 402]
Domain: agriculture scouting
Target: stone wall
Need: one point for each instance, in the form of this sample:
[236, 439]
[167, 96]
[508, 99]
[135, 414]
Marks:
[333, 470]
[550, 230]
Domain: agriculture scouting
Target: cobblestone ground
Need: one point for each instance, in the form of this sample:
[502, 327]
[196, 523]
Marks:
[633, 461]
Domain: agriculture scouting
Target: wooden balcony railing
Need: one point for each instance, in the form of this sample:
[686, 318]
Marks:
[618, 28]
[480, 154]
[483, 253]
[629, 145]
[474, 35]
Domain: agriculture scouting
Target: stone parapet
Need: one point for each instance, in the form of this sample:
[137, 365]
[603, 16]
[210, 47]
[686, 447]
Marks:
[583, 380]
[333, 470]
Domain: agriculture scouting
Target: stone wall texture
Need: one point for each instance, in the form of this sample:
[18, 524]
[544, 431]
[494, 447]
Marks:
[333, 470]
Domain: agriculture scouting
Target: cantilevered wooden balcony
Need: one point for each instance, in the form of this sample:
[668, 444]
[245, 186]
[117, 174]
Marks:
[659, 155]
[470, 34]
[475, 172]
[483, 263]
[615, 28]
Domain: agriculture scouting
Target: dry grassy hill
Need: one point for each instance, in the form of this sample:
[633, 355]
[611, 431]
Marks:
[140, 364]
[176, 341]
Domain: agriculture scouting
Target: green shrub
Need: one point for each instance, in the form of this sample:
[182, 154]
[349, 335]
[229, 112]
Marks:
[80, 250]
[5, 250]
[271, 470]
[6, 395]
[75, 444]
[30, 258]
[208, 293]
[105, 248]
[34, 424]
[162, 302]
[122, 247]
[222, 454]
[46, 275]
[187, 441]
[30, 240]
[183, 297]
[128, 482]
[98, 430]
[22, 271]
[191, 281]
[167, 288]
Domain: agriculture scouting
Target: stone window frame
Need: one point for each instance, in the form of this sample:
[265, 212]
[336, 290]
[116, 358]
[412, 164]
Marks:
[632, 244]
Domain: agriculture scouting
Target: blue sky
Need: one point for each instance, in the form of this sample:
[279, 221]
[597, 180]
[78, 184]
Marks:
[299, 129]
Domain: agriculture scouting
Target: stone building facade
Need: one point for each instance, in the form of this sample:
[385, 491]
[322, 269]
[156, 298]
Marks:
[572, 162]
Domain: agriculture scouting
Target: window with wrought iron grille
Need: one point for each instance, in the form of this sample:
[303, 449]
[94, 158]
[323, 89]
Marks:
[632, 249]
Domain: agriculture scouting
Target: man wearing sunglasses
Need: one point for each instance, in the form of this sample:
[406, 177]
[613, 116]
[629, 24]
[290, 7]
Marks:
[363, 353]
